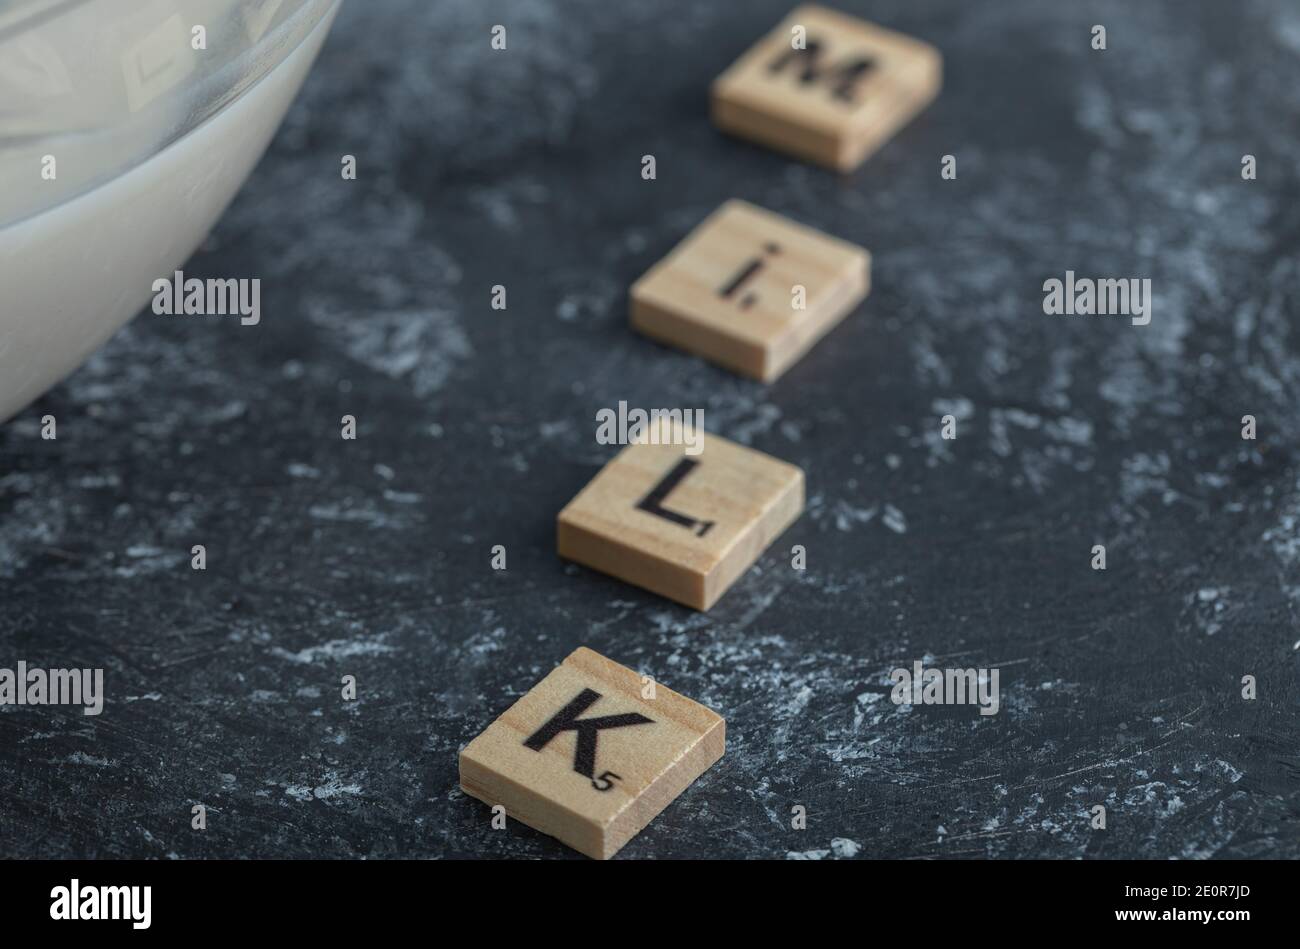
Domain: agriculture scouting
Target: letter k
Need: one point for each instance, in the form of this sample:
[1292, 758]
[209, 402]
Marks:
[566, 719]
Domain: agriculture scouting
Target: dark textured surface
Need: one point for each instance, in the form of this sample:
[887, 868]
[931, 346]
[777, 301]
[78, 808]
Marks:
[371, 558]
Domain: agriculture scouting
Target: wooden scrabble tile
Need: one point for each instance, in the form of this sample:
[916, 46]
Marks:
[592, 753]
[730, 291]
[683, 526]
[836, 100]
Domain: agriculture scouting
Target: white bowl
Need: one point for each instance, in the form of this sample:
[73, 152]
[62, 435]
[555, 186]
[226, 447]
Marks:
[150, 139]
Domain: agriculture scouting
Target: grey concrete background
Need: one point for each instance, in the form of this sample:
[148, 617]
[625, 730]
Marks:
[371, 558]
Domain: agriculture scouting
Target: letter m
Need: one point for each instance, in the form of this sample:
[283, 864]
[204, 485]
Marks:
[842, 78]
[1116, 296]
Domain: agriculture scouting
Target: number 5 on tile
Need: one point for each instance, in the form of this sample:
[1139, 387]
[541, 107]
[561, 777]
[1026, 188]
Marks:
[585, 757]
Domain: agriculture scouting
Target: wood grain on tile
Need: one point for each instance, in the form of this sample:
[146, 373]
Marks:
[592, 753]
[836, 100]
[750, 290]
[682, 526]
